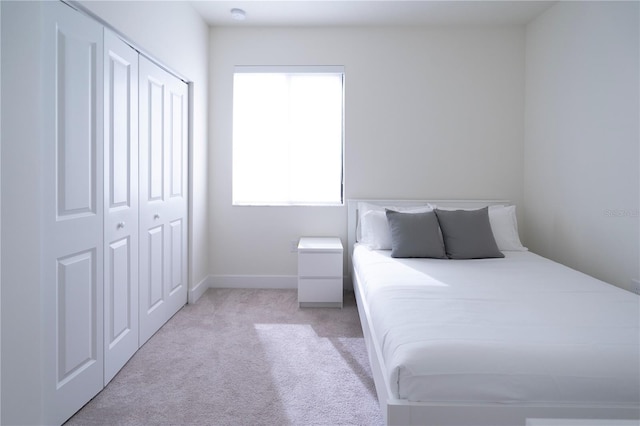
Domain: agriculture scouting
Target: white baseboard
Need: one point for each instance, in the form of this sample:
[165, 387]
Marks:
[198, 290]
[250, 281]
[253, 281]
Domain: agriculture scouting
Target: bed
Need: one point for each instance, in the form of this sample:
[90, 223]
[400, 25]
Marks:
[492, 341]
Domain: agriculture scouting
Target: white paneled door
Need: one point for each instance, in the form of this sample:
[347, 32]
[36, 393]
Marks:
[72, 188]
[163, 196]
[120, 204]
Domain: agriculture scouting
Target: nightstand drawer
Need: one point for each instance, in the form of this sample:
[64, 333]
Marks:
[320, 265]
[320, 290]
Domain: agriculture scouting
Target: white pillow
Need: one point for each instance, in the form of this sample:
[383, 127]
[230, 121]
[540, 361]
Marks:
[505, 228]
[375, 230]
[363, 208]
[373, 227]
[503, 224]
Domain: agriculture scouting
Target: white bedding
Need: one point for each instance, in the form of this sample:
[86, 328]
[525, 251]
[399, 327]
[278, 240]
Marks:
[522, 329]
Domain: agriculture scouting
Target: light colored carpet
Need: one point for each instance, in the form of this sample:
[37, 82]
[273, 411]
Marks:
[245, 357]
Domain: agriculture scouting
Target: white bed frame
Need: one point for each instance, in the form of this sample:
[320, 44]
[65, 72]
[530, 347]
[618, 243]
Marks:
[403, 412]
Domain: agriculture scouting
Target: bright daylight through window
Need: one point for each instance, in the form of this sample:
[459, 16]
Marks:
[288, 135]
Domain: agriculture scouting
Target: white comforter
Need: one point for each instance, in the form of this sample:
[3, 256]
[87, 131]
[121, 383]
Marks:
[522, 329]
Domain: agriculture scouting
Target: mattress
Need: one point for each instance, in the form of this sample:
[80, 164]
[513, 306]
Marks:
[522, 329]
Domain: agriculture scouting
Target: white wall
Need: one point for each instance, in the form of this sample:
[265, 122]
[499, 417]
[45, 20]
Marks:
[581, 151]
[430, 113]
[173, 33]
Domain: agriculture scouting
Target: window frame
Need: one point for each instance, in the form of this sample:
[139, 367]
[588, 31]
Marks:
[296, 69]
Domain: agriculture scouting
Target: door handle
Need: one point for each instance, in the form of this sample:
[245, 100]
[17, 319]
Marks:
[156, 216]
[120, 225]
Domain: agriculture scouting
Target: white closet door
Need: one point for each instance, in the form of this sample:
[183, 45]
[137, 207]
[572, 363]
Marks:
[163, 197]
[72, 188]
[121, 204]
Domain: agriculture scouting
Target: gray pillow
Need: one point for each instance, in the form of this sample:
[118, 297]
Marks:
[415, 235]
[467, 234]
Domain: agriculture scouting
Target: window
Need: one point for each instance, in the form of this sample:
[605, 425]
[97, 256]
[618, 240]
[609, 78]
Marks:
[288, 136]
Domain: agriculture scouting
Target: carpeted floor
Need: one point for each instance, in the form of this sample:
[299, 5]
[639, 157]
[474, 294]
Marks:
[245, 357]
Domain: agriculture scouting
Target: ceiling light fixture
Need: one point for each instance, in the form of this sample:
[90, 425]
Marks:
[238, 14]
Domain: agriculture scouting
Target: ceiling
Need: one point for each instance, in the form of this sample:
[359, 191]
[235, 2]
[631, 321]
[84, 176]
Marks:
[370, 12]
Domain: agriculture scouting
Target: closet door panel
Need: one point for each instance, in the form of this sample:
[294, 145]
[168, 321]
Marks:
[155, 270]
[120, 286]
[121, 204]
[75, 126]
[177, 256]
[76, 320]
[153, 310]
[176, 206]
[163, 211]
[72, 224]
[155, 140]
[178, 143]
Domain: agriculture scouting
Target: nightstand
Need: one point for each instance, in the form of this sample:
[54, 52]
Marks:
[320, 272]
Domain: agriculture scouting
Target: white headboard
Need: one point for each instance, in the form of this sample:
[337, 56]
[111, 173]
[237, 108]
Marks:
[352, 213]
